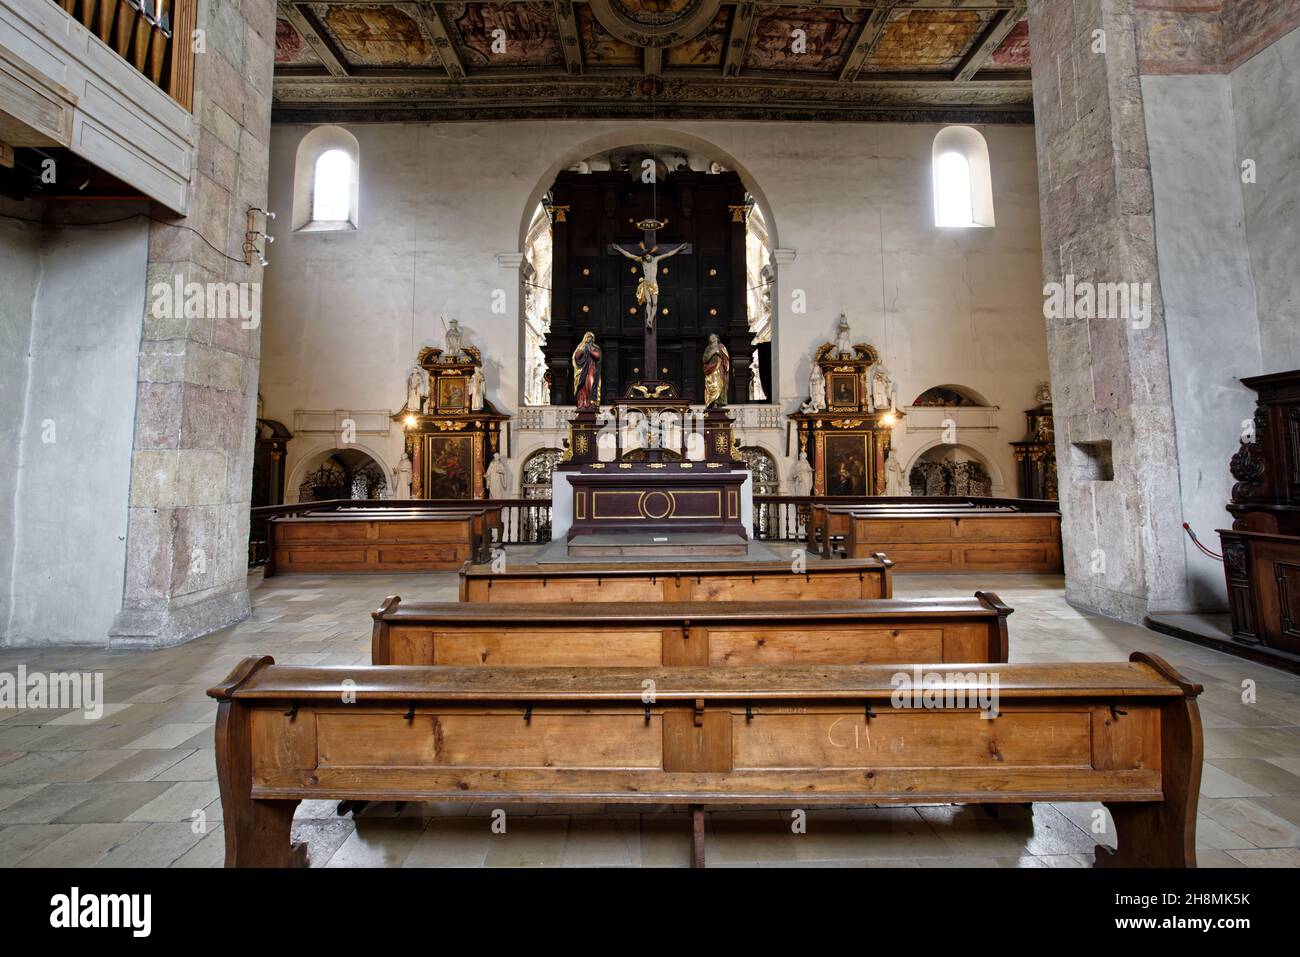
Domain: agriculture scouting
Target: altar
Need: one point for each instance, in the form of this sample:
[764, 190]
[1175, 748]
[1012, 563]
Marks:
[650, 470]
[623, 501]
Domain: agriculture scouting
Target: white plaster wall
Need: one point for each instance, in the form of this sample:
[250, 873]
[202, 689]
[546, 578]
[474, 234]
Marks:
[1209, 295]
[1265, 91]
[69, 528]
[1229, 253]
[346, 311]
[20, 254]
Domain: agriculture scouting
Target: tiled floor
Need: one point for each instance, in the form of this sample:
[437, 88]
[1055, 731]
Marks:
[138, 787]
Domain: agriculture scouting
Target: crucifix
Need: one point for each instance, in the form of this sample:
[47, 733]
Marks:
[647, 254]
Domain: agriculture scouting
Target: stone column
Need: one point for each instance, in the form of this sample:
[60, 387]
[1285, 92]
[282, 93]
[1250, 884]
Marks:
[191, 475]
[1118, 463]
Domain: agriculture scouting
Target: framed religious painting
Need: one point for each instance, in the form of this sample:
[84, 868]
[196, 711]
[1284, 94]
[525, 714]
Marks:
[842, 389]
[453, 394]
[449, 466]
[847, 464]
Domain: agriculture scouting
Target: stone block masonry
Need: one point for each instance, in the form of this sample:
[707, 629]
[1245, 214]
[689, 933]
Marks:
[192, 456]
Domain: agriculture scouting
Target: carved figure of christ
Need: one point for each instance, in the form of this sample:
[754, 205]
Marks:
[647, 290]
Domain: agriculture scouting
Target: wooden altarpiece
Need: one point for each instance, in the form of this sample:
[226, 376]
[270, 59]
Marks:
[450, 443]
[847, 441]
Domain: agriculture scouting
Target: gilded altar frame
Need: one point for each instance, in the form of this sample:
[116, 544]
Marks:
[449, 443]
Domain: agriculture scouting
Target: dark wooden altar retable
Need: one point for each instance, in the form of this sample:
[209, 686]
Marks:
[1036, 455]
[1261, 552]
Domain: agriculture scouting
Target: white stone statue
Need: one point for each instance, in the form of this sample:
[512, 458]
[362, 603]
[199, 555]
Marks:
[498, 478]
[542, 393]
[477, 386]
[801, 479]
[816, 391]
[894, 484]
[842, 344]
[884, 393]
[403, 477]
[415, 389]
[453, 340]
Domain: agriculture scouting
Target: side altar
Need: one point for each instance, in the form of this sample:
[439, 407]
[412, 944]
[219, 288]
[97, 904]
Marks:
[453, 433]
[649, 465]
[846, 426]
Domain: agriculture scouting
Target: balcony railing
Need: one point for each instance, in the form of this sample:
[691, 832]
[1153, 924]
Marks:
[154, 36]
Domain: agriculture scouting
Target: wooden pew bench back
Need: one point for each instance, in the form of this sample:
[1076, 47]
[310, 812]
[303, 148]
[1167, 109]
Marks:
[700, 634]
[1126, 733]
[706, 581]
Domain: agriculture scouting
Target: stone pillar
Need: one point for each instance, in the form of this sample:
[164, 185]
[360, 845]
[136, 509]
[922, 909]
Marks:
[192, 459]
[1118, 463]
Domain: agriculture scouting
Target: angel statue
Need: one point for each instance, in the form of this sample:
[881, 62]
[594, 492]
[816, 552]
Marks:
[717, 373]
[647, 289]
[586, 373]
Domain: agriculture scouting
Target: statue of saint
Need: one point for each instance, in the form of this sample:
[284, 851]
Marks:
[816, 391]
[498, 478]
[647, 290]
[894, 484]
[883, 391]
[404, 469]
[842, 345]
[717, 373]
[477, 386]
[801, 479]
[415, 390]
[586, 373]
[453, 341]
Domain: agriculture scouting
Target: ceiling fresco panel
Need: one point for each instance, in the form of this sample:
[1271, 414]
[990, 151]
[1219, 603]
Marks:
[505, 34]
[1013, 52]
[599, 47]
[290, 48]
[927, 40]
[707, 49]
[375, 34]
[802, 39]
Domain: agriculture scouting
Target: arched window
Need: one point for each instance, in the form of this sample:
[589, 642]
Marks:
[953, 205]
[331, 199]
[326, 180]
[963, 183]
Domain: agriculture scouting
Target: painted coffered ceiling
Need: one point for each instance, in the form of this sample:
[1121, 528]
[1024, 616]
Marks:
[909, 60]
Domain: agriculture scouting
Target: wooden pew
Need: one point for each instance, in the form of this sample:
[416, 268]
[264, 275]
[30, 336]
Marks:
[382, 539]
[703, 581]
[997, 539]
[831, 522]
[699, 634]
[1124, 733]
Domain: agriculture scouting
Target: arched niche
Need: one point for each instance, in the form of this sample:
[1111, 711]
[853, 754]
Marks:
[319, 141]
[355, 455]
[950, 395]
[938, 452]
